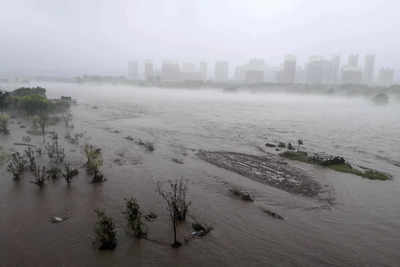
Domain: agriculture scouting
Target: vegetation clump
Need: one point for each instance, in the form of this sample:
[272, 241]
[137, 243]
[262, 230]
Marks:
[336, 163]
[40, 176]
[54, 172]
[30, 155]
[133, 215]
[16, 165]
[105, 233]
[69, 173]
[94, 163]
[54, 150]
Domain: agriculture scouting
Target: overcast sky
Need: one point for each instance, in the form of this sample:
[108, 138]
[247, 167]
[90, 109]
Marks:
[73, 37]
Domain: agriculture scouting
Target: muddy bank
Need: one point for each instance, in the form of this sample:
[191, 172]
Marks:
[269, 170]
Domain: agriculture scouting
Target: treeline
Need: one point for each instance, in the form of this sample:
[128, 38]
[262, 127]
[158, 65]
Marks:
[32, 101]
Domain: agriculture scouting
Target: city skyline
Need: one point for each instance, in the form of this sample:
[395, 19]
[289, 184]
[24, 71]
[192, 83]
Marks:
[317, 70]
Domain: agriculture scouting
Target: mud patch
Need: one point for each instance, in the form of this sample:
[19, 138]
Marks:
[269, 170]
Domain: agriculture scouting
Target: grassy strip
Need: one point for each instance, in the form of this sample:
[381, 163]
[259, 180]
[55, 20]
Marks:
[345, 167]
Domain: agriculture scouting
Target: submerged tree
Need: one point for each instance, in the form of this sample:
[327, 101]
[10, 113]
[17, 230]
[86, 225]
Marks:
[133, 215]
[299, 143]
[105, 233]
[67, 117]
[4, 124]
[4, 98]
[177, 205]
[43, 121]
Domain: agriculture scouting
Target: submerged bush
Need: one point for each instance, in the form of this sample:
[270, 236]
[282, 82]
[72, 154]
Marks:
[105, 233]
[54, 150]
[67, 118]
[40, 176]
[30, 154]
[54, 173]
[69, 173]
[94, 163]
[4, 124]
[133, 215]
[16, 165]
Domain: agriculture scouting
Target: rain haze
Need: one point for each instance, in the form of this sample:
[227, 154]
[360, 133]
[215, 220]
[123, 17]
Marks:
[75, 37]
[199, 133]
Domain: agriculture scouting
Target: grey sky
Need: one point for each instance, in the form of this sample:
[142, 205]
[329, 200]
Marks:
[97, 36]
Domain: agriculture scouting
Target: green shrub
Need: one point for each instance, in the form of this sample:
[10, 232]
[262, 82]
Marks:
[105, 233]
[133, 215]
[94, 162]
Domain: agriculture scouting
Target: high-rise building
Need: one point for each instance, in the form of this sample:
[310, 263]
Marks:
[288, 74]
[369, 69]
[203, 71]
[188, 67]
[252, 72]
[148, 70]
[351, 75]
[190, 73]
[317, 70]
[133, 70]
[386, 77]
[300, 75]
[170, 71]
[221, 71]
[334, 69]
[353, 61]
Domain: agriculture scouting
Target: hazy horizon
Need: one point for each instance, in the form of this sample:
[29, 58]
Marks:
[46, 37]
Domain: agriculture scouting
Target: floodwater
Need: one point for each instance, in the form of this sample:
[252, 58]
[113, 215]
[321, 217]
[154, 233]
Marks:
[360, 228]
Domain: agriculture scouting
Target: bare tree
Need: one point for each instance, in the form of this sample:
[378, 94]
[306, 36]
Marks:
[177, 206]
[43, 121]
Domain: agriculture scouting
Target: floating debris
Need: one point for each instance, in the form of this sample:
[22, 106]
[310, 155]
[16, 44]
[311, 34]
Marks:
[178, 161]
[151, 217]
[242, 194]
[272, 214]
[57, 219]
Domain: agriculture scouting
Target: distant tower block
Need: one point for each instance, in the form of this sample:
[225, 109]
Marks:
[221, 71]
[133, 70]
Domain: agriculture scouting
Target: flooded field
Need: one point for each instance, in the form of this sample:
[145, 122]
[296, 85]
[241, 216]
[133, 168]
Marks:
[358, 226]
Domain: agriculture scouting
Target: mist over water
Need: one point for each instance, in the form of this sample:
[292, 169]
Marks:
[360, 228]
[282, 116]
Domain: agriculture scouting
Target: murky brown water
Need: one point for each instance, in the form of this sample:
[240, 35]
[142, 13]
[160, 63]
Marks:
[361, 228]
